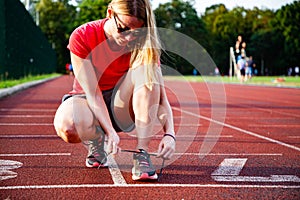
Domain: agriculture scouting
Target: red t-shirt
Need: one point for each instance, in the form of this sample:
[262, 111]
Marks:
[88, 41]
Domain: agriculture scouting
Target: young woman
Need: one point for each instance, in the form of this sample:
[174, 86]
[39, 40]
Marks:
[118, 86]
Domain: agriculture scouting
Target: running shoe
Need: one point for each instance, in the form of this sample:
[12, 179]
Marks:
[97, 157]
[142, 167]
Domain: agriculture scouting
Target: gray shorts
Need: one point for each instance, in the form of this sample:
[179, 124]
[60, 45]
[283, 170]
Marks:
[107, 96]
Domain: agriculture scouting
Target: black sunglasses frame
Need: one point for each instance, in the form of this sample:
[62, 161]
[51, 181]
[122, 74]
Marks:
[126, 31]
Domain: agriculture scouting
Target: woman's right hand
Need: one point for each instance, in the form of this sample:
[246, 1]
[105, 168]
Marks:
[112, 144]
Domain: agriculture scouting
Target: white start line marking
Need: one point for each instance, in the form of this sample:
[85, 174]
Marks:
[230, 168]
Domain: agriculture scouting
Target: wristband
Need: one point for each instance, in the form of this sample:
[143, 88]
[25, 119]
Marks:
[167, 134]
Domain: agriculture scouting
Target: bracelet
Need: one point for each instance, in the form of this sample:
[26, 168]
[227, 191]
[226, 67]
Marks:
[167, 134]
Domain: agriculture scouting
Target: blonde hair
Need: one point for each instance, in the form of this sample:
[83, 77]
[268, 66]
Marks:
[146, 51]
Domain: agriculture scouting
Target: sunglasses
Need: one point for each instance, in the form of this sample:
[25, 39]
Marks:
[127, 30]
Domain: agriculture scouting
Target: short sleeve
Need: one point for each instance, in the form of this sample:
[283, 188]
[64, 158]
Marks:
[78, 44]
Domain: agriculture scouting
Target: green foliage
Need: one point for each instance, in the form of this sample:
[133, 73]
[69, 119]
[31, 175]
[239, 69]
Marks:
[90, 10]
[288, 23]
[272, 37]
[55, 20]
[182, 17]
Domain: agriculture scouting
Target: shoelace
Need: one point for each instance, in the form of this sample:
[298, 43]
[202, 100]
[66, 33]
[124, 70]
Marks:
[96, 148]
[143, 158]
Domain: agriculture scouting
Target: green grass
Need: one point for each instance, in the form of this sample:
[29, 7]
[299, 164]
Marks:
[258, 80]
[29, 78]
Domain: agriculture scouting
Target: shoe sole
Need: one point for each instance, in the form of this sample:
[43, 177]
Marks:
[95, 165]
[144, 176]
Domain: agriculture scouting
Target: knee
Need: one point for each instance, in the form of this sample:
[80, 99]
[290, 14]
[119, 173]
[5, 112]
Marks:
[70, 136]
[144, 92]
[67, 133]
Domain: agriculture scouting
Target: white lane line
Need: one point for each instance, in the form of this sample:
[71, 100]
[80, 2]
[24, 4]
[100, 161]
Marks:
[115, 171]
[27, 116]
[225, 154]
[201, 136]
[156, 136]
[181, 154]
[158, 185]
[240, 130]
[188, 125]
[279, 112]
[252, 117]
[198, 136]
[275, 125]
[229, 154]
[214, 136]
[26, 124]
[34, 154]
[230, 167]
[29, 136]
[272, 178]
[27, 109]
[270, 110]
[295, 137]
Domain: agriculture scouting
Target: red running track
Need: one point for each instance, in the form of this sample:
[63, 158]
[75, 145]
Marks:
[233, 142]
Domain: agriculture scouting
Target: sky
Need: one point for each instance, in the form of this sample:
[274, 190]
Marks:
[200, 5]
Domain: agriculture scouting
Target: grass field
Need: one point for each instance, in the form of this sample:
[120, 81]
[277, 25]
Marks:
[13, 82]
[258, 80]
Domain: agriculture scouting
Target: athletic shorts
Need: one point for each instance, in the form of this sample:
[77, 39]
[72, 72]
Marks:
[243, 72]
[107, 96]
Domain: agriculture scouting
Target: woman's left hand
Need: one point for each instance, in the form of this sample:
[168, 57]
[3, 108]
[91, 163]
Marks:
[166, 147]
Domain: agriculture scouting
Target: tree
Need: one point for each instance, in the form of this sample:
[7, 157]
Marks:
[258, 30]
[56, 19]
[287, 22]
[272, 36]
[217, 21]
[90, 10]
[182, 17]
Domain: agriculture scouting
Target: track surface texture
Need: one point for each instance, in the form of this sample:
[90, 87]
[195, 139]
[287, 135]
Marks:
[233, 142]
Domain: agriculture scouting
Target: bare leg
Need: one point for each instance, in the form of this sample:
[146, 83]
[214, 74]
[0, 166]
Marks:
[134, 101]
[145, 106]
[74, 121]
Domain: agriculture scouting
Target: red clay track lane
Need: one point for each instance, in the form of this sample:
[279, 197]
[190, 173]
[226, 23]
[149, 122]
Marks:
[255, 150]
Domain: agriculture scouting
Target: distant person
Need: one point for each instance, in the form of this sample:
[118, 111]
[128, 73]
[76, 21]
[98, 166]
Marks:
[195, 72]
[249, 68]
[118, 87]
[217, 72]
[238, 46]
[297, 71]
[290, 71]
[240, 49]
[69, 68]
[243, 49]
[242, 67]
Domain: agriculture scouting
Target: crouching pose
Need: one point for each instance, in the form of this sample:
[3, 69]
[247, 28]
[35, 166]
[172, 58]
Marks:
[118, 86]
